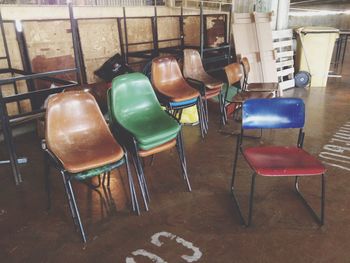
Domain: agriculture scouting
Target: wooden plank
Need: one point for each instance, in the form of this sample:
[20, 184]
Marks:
[281, 44]
[287, 63]
[285, 72]
[287, 84]
[284, 54]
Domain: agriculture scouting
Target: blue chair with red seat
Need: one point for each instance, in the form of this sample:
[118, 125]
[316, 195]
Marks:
[277, 161]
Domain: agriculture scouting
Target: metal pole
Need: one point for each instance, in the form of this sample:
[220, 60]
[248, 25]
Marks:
[201, 23]
[126, 38]
[75, 44]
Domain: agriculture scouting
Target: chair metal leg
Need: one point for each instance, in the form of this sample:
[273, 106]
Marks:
[47, 180]
[181, 152]
[140, 181]
[318, 218]
[73, 205]
[135, 204]
[200, 116]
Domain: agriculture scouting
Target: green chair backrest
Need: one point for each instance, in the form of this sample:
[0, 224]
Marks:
[131, 94]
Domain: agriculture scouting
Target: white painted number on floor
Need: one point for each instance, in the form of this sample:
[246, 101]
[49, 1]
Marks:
[155, 240]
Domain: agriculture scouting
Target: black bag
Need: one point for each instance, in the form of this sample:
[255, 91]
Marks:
[113, 67]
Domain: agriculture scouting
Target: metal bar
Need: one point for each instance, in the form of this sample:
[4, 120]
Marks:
[181, 24]
[81, 57]
[31, 94]
[201, 40]
[36, 75]
[141, 43]
[75, 45]
[9, 141]
[121, 42]
[126, 38]
[155, 32]
[60, 81]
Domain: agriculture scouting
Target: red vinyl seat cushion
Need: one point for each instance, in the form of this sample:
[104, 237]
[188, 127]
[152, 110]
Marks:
[282, 161]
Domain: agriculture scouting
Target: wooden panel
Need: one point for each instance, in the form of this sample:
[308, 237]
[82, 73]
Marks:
[253, 39]
[192, 30]
[100, 41]
[215, 26]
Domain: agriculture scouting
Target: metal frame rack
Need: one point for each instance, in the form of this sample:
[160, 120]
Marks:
[26, 74]
[208, 54]
[339, 53]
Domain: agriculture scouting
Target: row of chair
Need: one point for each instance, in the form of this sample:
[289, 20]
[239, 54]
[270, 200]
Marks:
[80, 144]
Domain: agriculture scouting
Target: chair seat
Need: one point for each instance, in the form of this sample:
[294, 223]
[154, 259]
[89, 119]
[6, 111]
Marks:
[152, 128]
[262, 87]
[209, 93]
[282, 161]
[244, 95]
[209, 81]
[178, 91]
[92, 152]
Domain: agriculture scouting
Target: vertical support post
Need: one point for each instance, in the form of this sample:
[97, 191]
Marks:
[229, 34]
[9, 141]
[155, 33]
[75, 44]
[126, 38]
[181, 21]
[7, 55]
[81, 57]
[201, 24]
[23, 50]
[121, 42]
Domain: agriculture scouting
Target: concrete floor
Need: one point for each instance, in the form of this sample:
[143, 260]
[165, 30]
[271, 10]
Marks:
[282, 230]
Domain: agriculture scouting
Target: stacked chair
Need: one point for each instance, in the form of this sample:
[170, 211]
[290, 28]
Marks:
[144, 126]
[210, 87]
[262, 87]
[276, 160]
[80, 145]
[234, 76]
[173, 91]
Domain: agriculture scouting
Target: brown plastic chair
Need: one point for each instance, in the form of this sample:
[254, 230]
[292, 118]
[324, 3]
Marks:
[234, 75]
[173, 90]
[193, 71]
[80, 144]
[271, 87]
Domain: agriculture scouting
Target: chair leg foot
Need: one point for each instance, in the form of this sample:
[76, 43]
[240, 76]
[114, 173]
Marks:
[319, 218]
[140, 181]
[73, 205]
[245, 222]
[182, 158]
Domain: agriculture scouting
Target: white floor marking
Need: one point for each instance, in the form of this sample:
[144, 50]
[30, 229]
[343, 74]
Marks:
[145, 253]
[197, 254]
[155, 240]
[337, 154]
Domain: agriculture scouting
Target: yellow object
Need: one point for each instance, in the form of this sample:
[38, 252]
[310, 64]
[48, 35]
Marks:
[314, 52]
[189, 115]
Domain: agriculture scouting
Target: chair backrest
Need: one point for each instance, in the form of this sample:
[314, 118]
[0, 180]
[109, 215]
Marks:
[193, 66]
[233, 73]
[165, 73]
[131, 94]
[275, 113]
[73, 117]
[246, 66]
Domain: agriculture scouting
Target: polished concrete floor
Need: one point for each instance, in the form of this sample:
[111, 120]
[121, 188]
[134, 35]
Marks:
[203, 224]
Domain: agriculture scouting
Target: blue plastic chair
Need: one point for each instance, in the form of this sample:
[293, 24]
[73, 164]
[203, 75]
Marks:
[275, 160]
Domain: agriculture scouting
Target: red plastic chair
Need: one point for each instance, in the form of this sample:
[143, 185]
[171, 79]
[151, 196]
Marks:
[273, 161]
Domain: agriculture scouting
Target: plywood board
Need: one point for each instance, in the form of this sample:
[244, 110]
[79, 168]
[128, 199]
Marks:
[253, 39]
[215, 30]
[192, 30]
[168, 28]
[99, 41]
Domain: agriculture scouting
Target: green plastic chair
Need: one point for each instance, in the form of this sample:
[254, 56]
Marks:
[144, 127]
